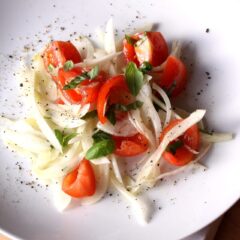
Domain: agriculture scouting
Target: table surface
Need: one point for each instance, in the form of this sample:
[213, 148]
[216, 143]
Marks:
[229, 228]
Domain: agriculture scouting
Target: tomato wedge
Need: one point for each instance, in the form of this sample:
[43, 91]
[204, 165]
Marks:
[117, 82]
[174, 76]
[58, 52]
[151, 47]
[81, 181]
[130, 146]
[129, 52]
[86, 92]
[182, 155]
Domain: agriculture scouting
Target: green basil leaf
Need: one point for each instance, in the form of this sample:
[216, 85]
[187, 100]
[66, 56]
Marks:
[100, 149]
[75, 82]
[101, 135]
[67, 138]
[59, 136]
[125, 108]
[68, 65]
[91, 114]
[51, 68]
[93, 72]
[173, 147]
[129, 39]
[145, 67]
[110, 114]
[64, 139]
[134, 78]
[135, 105]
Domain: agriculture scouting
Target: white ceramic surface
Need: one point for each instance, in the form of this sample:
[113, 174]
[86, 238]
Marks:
[198, 197]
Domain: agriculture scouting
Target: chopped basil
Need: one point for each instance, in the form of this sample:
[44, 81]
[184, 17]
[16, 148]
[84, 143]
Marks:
[145, 67]
[91, 114]
[64, 139]
[110, 114]
[51, 68]
[100, 149]
[93, 72]
[102, 146]
[77, 80]
[101, 135]
[172, 147]
[125, 108]
[68, 65]
[129, 39]
[134, 78]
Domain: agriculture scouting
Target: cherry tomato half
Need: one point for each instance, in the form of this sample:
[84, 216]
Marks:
[81, 181]
[130, 146]
[190, 138]
[58, 52]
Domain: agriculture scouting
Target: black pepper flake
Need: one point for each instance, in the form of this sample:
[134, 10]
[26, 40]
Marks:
[62, 28]
[207, 30]
[10, 56]
[21, 84]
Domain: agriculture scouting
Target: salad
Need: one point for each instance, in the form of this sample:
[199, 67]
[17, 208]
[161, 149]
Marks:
[103, 116]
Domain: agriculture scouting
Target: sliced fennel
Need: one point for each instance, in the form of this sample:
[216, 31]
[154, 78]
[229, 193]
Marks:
[140, 208]
[148, 111]
[216, 137]
[136, 119]
[149, 167]
[109, 38]
[167, 103]
[122, 128]
[116, 169]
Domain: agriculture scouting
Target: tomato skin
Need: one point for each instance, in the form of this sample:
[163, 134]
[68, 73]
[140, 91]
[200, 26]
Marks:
[130, 146]
[81, 181]
[174, 72]
[152, 48]
[190, 138]
[129, 52]
[117, 82]
[58, 52]
[86, 92]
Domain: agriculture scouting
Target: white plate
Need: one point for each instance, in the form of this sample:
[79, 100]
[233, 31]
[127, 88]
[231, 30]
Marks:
[198, 197]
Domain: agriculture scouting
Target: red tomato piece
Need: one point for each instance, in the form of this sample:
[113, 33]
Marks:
[190, 138]
[81, 181]
[59, 101]
[129, 52]
[152, 48]
[58, 52]
[117, 82]
[130, 146]
[174, 76]
[86, 92]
